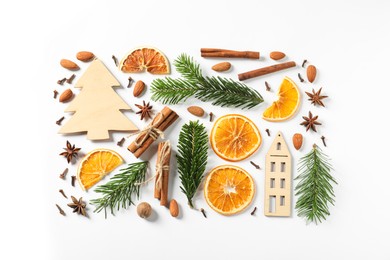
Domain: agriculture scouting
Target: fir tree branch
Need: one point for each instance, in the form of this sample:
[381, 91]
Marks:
[314, 189]
[192, 158]
[119, 191]
[221, 91]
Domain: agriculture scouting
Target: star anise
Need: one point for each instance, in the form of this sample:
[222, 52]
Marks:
[70, 152]
[316, 97]
[78, 206]
[310, 122]
[145, 110]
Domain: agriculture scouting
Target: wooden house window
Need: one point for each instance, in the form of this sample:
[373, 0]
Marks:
[282, 183]
[278, 146]
[282, 167]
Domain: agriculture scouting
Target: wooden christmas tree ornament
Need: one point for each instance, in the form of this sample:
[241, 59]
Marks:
[97, 107]
[278, 179]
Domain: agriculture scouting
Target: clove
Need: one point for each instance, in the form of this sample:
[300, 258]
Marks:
[303, 64]
[120, 143]
[70, 80]
[58, 122]
[267, 130]
[60, 210]
[300, 77]
[55, 94]
[115, 60]
[61, 81]
[130, 82]
[63, 174]
[73, 181]
[63, 193]
[253, 211]
[256, 165]
[267, 87]
[211, 116]
[203, 212]
[323, 140]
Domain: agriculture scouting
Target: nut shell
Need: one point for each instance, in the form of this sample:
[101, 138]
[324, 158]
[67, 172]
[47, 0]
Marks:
[66, 96]
[85, 56]
[68, 64]
[297, 141]
[223, 66]
[138, 88]
[277, 55]
[311, 73]
[144, 210]
[196, 111]
[174, 208]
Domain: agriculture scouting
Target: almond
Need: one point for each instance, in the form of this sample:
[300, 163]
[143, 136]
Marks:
[196, 111]
[297, 141]
[85, 56]
[311, 73]
[277, 55]
[223, 66]
[174, 208]
[66, 95]
[138, 88]
[68, 64]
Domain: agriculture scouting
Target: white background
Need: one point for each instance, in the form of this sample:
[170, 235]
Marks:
[347, 41]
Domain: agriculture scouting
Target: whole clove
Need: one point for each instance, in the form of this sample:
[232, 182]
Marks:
[63, 193]
[256, 165]
[300, 77]
[70, 80]
[203, 212]
[73, 181]
[211, 116]
[61, 81]
[120, 143]
[115, 60]
[58, 122]
[303, 64]
[60, 210]
[253, 211]
[130, 82]
[267, 130]
[323, 140]
[267, 87]
[55, 94]
[63, 174]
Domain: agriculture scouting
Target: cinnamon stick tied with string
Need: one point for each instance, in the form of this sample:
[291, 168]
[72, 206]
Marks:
[153, 131]
[222, 53]
[162, 172]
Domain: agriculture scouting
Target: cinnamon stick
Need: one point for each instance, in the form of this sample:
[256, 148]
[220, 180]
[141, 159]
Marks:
[162, 175]
[160, 122]
[213, 52]
[265, 70]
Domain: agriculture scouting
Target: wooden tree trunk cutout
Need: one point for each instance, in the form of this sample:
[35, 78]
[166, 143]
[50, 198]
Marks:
[277, 199]
[97, 106]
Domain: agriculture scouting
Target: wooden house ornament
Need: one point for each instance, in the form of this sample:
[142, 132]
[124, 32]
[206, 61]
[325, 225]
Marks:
[97, 108]
[278, 179]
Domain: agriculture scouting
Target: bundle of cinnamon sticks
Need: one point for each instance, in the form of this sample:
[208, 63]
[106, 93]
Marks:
[162, 172]
[154, 130]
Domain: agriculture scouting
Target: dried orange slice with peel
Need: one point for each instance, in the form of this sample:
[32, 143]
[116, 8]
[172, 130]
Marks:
[95, 165]
[229, 189]
[287, 103]
[235, 137]
[149, 58]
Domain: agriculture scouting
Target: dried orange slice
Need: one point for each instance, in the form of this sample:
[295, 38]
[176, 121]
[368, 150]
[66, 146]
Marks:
[229, 189]
[287, 103]
[235, 137]
[95, 165]
[149, 58]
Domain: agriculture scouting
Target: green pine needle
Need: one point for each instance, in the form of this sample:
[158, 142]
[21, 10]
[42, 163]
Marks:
[119, 191]
[314, 189]
[221, 91]
[192, 158]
